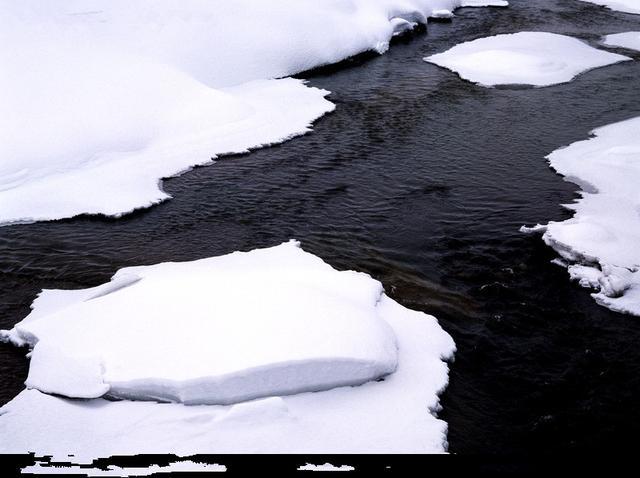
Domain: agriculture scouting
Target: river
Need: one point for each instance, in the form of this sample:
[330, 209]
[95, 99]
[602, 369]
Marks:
[422, 180]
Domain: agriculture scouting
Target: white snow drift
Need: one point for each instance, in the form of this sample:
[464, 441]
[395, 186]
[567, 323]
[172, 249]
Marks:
[101, 99]
[630, 40]
[601, 242]
[528, 58]
[255, 324]
[627, 6]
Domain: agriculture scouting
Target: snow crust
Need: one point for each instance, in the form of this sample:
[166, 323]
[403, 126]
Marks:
[627, 6]
[391, 415]
[104, 98]
[528, 58]
[630, 40]
[220, 330]
[601, 242]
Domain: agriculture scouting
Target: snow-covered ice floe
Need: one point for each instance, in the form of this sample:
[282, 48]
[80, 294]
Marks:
[526, 58]
[332, 364]
[601, 242]
[629, 40]
[626, 6]
[219, 330]
[101, 99]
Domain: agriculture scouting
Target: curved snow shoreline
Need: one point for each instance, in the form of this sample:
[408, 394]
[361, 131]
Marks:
[116, 183]
[601, 242]
[106, 98]
[406, 351]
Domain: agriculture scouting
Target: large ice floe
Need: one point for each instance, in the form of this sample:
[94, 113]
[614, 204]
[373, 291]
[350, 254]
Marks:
[601, 242]
[626, 6]
[526, 58]
[629, 40]
[101, 99]
[274, 350]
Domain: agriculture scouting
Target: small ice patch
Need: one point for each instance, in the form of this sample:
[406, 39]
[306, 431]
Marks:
[401, 25]
[442, 14]
[325, 467]
[629, 40]
[527, 58]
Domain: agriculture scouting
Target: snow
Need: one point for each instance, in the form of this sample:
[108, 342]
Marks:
[391, 415]
[627, 6]
[119, 170]
[630, 40]
[186, 466]
[528, 58]
[601, 241]
[220, 330]
[104, 98]
[53, 370]
[325, 467]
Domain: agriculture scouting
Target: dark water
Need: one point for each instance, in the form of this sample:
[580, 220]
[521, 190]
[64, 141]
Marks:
[421, 180]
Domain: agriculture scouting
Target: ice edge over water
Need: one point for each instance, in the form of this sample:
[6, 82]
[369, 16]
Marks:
[601, 242]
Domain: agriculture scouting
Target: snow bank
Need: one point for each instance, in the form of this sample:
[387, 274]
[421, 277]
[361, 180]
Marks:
[531, 58]
[627, 6]
[113, 166]
[104, 98]
[630, 40]
[220, 330]
[342, 319]
[602, 241]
